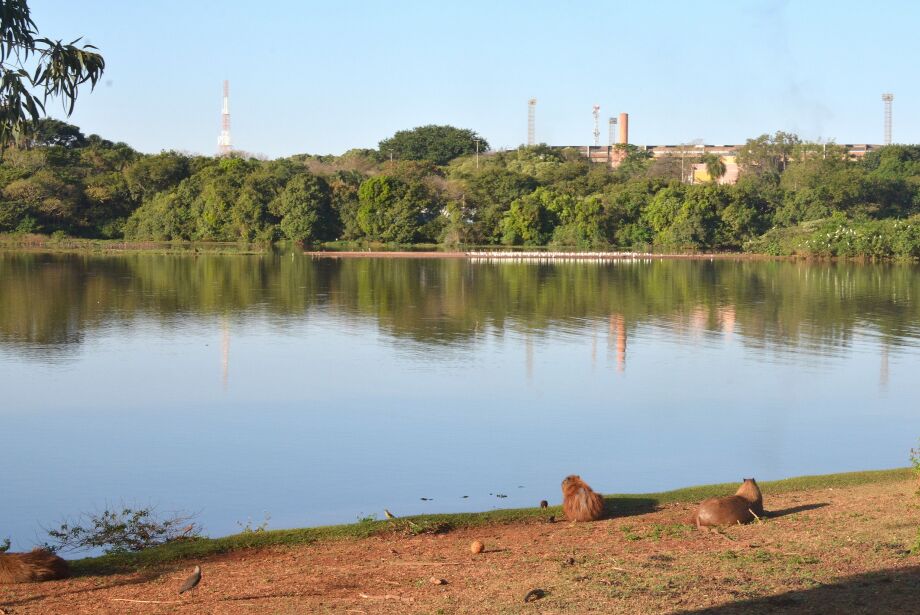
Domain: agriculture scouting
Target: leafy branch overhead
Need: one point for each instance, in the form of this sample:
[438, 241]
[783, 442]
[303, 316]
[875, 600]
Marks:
[36, 69]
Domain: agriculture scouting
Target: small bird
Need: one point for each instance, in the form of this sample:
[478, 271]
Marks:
[388, 514]
[192, 581]
[543, 503]
[534, 595]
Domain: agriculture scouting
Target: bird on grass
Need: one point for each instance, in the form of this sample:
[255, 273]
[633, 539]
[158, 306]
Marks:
[192, 581]
[388, 514]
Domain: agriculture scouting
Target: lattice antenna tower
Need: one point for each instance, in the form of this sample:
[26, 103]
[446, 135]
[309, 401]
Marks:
[224, 144]
[531, 121]
[597, 125]
[612, 131]
[887, 97]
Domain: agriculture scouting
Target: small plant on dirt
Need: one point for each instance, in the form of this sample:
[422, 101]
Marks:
[428, 527]
[120, 531]
[249, 529]
[4, 545]
[915, 462]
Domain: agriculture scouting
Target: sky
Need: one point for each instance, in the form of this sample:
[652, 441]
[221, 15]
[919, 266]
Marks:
[325, 77]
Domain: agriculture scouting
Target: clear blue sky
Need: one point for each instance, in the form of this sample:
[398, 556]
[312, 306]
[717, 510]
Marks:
[324, 77]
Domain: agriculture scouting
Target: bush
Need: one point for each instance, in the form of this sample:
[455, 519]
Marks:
[119, 531]
[915, 462]
[843, 237]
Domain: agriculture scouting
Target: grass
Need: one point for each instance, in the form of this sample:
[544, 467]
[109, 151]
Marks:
[55, 243]
[619, 504]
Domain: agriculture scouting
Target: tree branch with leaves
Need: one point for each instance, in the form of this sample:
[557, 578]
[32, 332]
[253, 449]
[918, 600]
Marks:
[35, 69]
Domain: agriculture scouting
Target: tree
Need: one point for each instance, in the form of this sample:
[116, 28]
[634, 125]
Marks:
[152, 174]
[35, 69]
[437, 144]
[304, 207]
[714, 167]
[635, 161]
[392, 210]
[582, 224]
[49, 132]
[768, 155]
[490, 194]
[531, 219]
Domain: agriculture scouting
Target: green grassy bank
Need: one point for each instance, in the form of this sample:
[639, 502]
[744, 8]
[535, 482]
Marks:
[617, 504]
[62, 243]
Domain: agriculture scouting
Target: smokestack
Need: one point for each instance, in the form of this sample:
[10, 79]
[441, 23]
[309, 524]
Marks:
[624, 128]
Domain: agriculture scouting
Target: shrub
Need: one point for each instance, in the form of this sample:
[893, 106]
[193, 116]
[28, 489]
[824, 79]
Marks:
[119, 531]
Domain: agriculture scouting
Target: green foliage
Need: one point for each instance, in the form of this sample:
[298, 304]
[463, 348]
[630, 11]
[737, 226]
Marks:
[768, 155]
[531, 218]
[436, 144]
[35, 69]
[635, 163]
[248, 527]
[49, 132]
[153, 174]
[4, 545]
[583, 224]
[915, 463]
[792, 197]
[392, 210]
[118, 531]
[839, 235]
[304, 207]
[714, 166]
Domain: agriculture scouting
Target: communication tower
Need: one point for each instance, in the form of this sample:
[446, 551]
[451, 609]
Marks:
[888, 97]
[531, 121]
[597, 126]
[224, 145]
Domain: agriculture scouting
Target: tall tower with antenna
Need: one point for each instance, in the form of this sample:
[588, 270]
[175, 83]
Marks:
[531, 121]
[597, 126]
[887, 97]
[612, 131]
[224, 145]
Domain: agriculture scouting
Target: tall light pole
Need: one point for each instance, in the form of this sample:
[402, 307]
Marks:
[887, 97]
[477, 152]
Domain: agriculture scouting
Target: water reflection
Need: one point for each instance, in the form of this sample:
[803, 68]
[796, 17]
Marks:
[49, 303]
[437, 378]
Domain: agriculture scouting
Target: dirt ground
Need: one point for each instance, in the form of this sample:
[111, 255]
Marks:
[825, 551]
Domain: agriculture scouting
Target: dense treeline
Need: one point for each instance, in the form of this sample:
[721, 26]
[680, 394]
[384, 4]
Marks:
[429, 185]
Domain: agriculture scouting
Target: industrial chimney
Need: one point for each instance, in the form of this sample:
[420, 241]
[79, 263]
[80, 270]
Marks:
[624, 128]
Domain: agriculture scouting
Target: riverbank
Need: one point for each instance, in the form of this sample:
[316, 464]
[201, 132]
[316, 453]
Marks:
[80, 245]
[61, 244]
[343, 250]
[536, 256]
[831, 543]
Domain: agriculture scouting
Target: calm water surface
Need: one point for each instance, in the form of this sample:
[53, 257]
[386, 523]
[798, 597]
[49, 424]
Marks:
[320, 391]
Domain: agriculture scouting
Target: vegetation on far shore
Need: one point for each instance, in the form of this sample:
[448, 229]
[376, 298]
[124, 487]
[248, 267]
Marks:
[619, 504]
[429, 186]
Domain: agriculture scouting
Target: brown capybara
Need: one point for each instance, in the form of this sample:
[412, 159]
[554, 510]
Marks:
[579, 502]
[38, 565]
[739, 508]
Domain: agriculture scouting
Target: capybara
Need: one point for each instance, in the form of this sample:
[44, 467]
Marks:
[38, 565]
[579, 502]
[739, 508]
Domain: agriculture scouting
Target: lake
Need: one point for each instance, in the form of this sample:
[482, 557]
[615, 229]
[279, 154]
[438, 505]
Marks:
[315, 391]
